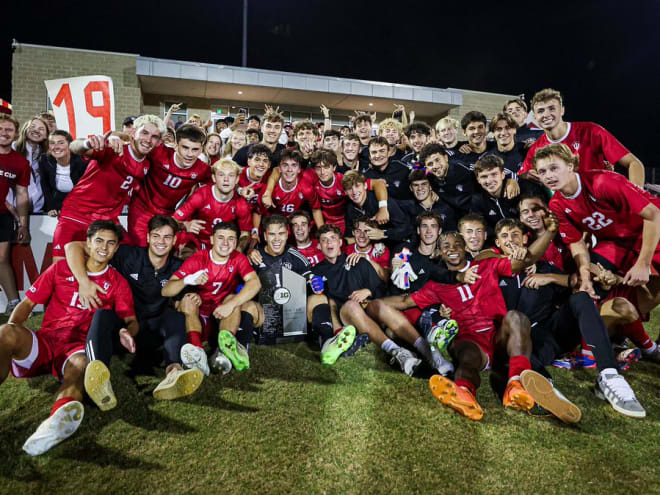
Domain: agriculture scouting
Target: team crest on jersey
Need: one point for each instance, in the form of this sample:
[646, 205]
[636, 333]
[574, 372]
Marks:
[338, 192]
[300, 195]
[231, 268]
[397, 183]
[106, 285]
[193, 176]
[576, 145]
[32, 289]
[568, 210]
[459, 187]
[287, 265]
[347, 267]
[163, 282]
[145, 170]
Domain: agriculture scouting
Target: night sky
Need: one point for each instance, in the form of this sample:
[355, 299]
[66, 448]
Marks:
[603, 56]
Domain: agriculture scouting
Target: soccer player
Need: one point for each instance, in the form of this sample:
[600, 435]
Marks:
[300, 223]
[473, 229]
[376, 253]
[306, 135]
[108, 182]
[253, 180]
[271, 129]
[364, 202]
[362, 126]
[517, 109]
[475, 127]
[351, 287]
[146, 269]
[269, 261]
[392, 130]
[59, 346]
[217, 274]
[453, 182]
[608, 206]
[14, 175]
[174, 172]
[593, 144]
[381, 166]
[332, 140]
[509, 149]
[215, 203]
[447, 132]
[428, 201]
[350, 149]
[484, 325]
[418, 134]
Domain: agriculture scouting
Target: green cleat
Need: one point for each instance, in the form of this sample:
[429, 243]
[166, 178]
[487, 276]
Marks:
[236, 352]
[442, 334]
[337, 345]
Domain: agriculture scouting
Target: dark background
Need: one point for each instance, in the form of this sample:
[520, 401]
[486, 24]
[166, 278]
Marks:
[603, 56]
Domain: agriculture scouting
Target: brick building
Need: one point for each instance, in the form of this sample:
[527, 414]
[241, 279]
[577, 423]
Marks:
[149, 85]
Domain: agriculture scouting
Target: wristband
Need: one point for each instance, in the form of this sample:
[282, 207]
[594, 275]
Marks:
[254, 231]
[382, 204]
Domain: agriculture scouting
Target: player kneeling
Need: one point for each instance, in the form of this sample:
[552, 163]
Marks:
[59, 346]
[217, 274]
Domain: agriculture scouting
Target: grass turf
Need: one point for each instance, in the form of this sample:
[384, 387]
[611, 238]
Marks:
[291, 425]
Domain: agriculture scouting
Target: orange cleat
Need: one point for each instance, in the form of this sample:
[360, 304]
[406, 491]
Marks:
[516, 397]
[459, 399]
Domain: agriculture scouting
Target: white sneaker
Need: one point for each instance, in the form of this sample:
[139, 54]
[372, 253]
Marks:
[614, 388]
[220, 363]
[178, 383]
[406, 360]
[58, 427]
[438, 362]
[195, 357]
[98, 386]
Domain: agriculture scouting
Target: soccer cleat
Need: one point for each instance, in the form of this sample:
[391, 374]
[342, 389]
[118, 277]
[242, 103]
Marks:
[337, 345]
[406, 360]
[442, 333]
[58, 427]
[615, 389]
[439, 363]
[359, 342]
[179, 383]
[516, 397]
[458, 398]
[231, 348]
[10, 307]
[98, 386]
[219, 363]
[195, 357]
[653, 356]
[628, 356]
[575, 360]
[549, 398]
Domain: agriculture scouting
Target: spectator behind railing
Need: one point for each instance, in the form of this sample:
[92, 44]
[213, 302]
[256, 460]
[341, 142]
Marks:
[60, 171]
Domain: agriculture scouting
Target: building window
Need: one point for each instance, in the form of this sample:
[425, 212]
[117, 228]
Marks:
[178, 117]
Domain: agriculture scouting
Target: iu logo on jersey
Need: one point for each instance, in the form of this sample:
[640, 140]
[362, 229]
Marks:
[231, 268]
[193, 176]
[106, 286]
[576, 146]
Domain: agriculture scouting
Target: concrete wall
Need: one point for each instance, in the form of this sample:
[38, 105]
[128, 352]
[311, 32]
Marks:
[487, 103]
[32, 65]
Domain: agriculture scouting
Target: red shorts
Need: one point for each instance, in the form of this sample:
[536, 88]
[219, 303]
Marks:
[48, 355]
[138, 221]
[412, 314]
[483, 335]
[626, 292]
[184, 238]
[624, 256]
[68, 230]
[209, 325]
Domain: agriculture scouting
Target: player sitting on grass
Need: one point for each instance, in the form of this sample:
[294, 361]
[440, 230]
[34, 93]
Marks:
[217, 273]
[270, 260]
[59, 346]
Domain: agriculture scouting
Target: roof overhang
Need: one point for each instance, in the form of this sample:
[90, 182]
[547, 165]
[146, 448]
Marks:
[223, 82]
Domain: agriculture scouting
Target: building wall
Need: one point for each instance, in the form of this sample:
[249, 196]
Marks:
[487, 103]
[32, 65]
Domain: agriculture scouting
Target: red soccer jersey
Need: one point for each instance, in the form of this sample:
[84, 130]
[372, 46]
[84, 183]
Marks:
[606, 205]
[203, 205]
[167, 182]
[224, 278]
[14, 170]
[106, 186]
[589, 141]
[378, 252]
[474, 306]
[559, 255]
[332, 198]
[287, 201]
[312, 252]
[64, 314]
[258, 187]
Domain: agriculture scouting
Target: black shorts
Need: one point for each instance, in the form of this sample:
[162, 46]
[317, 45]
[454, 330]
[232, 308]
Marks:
[7, 227]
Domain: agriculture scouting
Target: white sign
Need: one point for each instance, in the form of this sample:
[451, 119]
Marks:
[83, 105]
[30, 261]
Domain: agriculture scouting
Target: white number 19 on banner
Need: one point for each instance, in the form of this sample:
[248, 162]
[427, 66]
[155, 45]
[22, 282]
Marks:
[83, 105]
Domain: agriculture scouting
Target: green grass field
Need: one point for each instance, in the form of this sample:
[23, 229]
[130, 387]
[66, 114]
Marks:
[291, 425]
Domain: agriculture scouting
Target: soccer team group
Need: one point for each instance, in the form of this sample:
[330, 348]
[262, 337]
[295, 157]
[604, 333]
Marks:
[510, 254]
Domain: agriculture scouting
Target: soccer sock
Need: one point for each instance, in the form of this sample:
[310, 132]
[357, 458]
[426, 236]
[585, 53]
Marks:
[651, 349]
[245, 331]
[423, 347]
[468, 385]
[13, 301]
[586, 350]
[635, 332]
[389, 346]
[322, 322]
[195, 338]
[518, 364]
[59, 403]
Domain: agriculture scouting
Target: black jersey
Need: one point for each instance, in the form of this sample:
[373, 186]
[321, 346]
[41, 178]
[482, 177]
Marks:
[513, 159]
[341, 279]
[271, 267]
[399, 228]
[457, 185]
[425, 268]
[526, 133]
[145, 281]
[396, 176]
[241, 156]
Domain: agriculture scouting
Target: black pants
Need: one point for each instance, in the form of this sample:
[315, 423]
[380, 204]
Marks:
[558, 335]
[167, 330]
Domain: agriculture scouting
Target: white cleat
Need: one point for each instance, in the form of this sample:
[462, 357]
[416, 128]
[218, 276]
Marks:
[58, 427]
[195, 357]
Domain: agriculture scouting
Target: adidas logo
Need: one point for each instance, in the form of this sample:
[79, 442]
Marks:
[492, 212]
[503, 283]
[421, 271]
[134, 276]
[70, 279]
[207, 207]
[57, 247]
[166, 166]
[568, 210]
